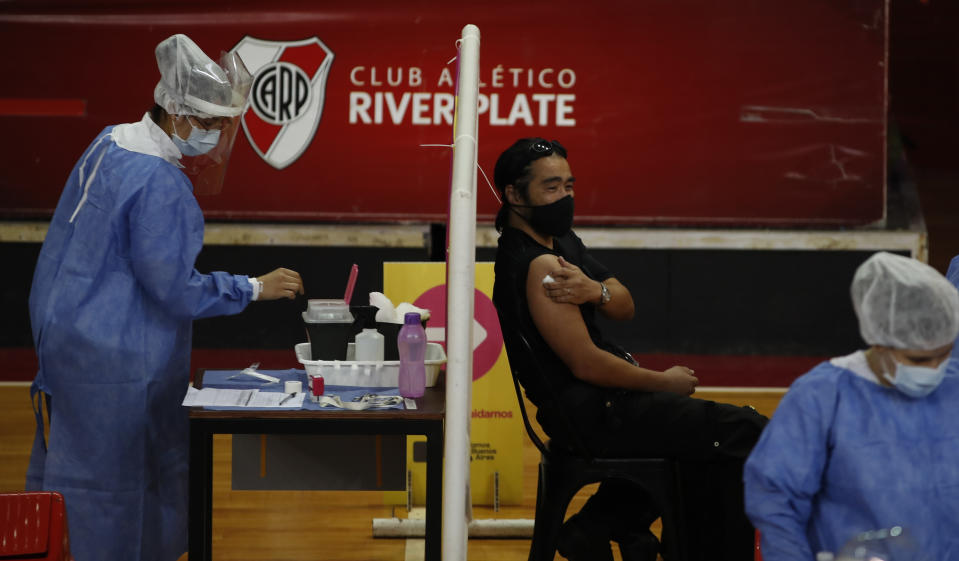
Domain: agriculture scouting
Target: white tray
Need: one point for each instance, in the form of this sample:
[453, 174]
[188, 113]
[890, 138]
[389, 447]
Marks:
[363, 373]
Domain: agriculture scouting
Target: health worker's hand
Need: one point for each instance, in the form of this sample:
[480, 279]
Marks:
[680, 380]
[571, 285]
[280, 283]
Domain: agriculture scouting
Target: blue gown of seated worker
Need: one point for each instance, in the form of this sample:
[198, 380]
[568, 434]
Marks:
[844, 455]
[113, 299]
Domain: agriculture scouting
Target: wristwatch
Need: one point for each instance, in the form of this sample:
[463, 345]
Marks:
[605, 296]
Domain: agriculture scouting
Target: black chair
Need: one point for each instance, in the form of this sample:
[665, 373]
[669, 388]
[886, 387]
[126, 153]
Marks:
[565, 469]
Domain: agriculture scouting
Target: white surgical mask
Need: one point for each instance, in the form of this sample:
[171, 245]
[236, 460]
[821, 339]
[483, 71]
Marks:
[199, 142]
[918, 381]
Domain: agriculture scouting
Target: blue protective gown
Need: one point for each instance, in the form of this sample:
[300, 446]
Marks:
[953, 275]
[113, 299]
[844, 455]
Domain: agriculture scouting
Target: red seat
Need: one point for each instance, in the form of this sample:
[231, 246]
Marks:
[33, 525]
[758, 554]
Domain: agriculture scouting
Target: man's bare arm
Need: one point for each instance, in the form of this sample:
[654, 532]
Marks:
[562, 326]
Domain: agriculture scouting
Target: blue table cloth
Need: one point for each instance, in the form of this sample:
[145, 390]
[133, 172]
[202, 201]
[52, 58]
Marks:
[220, 379]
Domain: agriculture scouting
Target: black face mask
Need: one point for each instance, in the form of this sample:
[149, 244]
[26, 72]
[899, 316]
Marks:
[554, 219]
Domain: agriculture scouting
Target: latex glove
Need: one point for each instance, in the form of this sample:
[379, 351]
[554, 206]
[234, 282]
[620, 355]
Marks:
[385, 313]
[405, 308]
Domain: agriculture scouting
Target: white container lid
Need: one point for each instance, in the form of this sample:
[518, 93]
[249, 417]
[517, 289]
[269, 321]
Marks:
[327, 311]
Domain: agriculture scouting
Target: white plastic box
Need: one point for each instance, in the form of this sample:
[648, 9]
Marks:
[373, 374]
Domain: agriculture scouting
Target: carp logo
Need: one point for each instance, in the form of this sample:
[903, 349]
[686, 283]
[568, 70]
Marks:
[286, 101]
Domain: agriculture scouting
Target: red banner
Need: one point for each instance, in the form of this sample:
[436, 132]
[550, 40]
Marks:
[678, 112]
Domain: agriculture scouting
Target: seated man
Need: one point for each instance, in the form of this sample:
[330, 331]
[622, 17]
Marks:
[869, 441]
[618, 408]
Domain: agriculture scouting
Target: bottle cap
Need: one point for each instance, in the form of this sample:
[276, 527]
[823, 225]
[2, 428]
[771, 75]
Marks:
[411, 318]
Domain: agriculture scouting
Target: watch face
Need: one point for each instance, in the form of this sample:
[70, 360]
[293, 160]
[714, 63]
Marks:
[605, 295]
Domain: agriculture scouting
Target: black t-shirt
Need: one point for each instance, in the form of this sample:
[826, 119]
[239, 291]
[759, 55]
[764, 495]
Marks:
[515, 251]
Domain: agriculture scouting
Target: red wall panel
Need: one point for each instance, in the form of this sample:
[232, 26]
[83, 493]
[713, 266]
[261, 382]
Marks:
[674, 111]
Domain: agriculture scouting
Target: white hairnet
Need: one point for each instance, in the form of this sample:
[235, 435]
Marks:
[192, 84]
[904, 304]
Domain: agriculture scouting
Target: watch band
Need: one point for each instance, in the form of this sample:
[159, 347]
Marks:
[605, 296]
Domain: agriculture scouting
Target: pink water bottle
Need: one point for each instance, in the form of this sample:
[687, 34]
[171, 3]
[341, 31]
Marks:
[412, 346]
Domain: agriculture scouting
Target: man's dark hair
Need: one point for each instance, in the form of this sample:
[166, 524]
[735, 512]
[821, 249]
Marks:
[157, 113]
[513, 165]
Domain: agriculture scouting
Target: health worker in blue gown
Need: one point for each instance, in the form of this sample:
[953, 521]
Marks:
[113, 299]
[953, 275]
[870, 440]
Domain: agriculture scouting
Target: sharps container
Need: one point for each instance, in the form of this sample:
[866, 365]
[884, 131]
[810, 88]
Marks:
[362, 315]
[328, 324]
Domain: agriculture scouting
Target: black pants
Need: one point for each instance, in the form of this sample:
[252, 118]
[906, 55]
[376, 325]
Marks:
[711, 441]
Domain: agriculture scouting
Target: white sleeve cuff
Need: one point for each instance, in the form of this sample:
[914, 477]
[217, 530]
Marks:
[257, 287]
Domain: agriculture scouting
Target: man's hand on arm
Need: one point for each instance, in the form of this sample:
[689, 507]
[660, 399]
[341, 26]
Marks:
[571, 286]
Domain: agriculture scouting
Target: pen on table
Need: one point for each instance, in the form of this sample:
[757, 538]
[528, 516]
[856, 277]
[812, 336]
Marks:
[287, 398]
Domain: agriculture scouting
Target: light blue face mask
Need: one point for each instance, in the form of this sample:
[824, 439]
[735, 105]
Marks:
[199, 142]
[918, 381]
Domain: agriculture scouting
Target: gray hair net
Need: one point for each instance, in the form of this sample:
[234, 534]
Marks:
[904, 304]
[192, 84]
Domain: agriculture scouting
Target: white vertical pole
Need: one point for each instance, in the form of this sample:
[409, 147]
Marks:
[461, 265]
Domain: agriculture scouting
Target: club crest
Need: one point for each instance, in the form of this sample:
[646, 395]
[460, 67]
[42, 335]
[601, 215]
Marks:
[286, 101]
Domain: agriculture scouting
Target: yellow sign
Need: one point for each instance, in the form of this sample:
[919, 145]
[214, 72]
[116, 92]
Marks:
[496, 427]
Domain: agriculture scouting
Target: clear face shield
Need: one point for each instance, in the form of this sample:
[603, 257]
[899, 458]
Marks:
[207, 171]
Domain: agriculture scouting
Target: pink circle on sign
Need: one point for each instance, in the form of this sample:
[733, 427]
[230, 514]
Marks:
[484, 312]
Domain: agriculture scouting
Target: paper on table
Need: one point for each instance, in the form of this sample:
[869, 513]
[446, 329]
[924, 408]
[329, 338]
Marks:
[273, 399]
[217, 397]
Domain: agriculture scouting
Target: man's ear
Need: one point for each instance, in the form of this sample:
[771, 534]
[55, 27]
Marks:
[512, 195]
